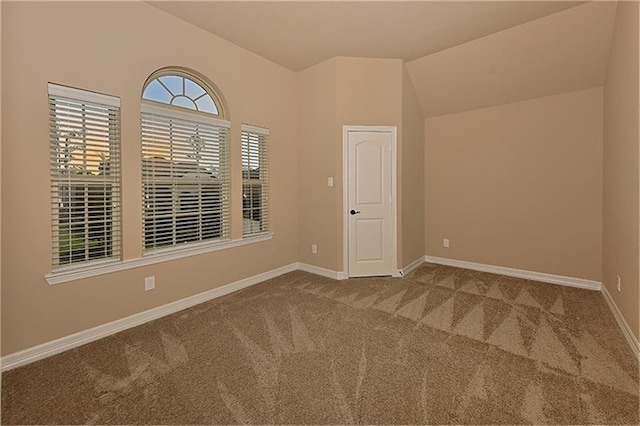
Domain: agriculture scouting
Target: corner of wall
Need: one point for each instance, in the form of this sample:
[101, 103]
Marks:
[621, 157]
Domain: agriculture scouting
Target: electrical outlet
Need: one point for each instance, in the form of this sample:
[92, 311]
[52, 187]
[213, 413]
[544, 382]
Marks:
[149, 283]
[329, 181]
[314, 249]
[445, 243]
[618, 282]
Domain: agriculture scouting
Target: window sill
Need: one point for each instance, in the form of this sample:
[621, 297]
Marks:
[59, 277]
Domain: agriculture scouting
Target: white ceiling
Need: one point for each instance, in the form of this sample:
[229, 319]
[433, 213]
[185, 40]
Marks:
[461, 54]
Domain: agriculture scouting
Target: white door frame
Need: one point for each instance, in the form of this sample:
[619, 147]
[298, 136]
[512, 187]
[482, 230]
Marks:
[393, 130]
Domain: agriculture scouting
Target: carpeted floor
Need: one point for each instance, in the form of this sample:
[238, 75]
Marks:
[440, 346]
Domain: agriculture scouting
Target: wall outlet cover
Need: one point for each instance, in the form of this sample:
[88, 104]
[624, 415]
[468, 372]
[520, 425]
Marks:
[149, 283]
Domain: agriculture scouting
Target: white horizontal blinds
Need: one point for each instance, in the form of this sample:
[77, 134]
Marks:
[84, 133]
[185, 178]
[255, 180]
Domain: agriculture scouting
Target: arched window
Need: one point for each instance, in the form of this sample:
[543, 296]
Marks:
[185, 173]
[183, 89]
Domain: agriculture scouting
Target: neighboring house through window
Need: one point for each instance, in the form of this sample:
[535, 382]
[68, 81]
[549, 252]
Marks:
[84, 130]
[185, 148]
[255, 183]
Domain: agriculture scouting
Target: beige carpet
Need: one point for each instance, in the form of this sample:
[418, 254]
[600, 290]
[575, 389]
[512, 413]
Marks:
[440, 346]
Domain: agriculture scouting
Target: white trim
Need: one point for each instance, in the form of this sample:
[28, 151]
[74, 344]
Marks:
[622, 323]
[410, 267]
[345, 193]
[345, 202]
[519, 273]
[57, 346]
[198, 117]
[394, 197]
[334, 275]
[63, 276]
[254, 129]
[82, 95]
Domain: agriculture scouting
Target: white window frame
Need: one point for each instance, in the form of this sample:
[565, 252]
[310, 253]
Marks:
[73, 101]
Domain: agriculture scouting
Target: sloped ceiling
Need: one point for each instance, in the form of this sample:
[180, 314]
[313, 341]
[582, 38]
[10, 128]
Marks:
[559, 53]
[461, 54]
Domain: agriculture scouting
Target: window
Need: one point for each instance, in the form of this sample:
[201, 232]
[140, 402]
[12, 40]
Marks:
[183, 92]
[84, 129]
[185, 177]
[255, 183]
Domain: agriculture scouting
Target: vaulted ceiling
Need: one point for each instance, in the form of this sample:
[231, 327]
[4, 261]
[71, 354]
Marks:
[461, 54]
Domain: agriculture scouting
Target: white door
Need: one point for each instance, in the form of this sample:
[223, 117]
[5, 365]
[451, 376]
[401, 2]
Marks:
[370, 204]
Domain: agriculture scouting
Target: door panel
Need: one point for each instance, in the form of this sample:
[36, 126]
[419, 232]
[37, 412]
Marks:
[369, 173]
[370, 243]
[369, 180]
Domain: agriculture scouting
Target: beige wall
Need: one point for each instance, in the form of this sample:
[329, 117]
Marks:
[1, 41]
[369, 92]
[318, 158]
[621, 187]
[412, 177]
[519, 185]
[112, 48]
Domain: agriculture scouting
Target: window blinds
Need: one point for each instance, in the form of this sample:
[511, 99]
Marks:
[185, 178]
[255, 180]
[84, 133]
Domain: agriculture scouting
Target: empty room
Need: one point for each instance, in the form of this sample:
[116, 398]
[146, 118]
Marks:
[320, 212]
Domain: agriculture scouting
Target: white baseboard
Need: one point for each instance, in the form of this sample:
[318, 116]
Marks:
[335, 275]
[410, 267]
[519, 273]
[622, 323]
[48, 349]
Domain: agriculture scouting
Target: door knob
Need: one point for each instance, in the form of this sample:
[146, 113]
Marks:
[352, 212]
